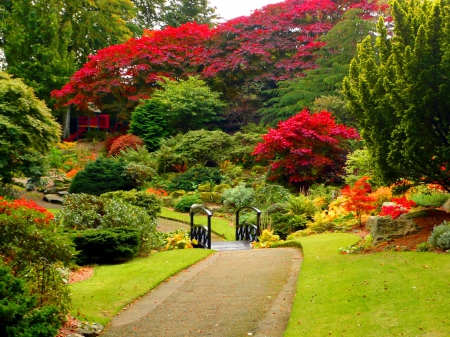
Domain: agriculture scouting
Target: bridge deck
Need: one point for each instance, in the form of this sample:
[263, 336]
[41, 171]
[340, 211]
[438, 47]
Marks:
[231, 245]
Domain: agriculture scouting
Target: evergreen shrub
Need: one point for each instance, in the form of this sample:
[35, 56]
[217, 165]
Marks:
[195, 176]
[103, 175]
[238, 196]
[185, 203]
[108, 245]
[440, 236]
[148, 201]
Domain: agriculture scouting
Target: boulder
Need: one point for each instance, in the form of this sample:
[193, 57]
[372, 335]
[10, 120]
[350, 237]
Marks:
[384, 227]
[446, 206]
[54, 198]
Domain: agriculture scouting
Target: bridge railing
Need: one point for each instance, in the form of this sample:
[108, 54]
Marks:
[200, 233]
[245, 230]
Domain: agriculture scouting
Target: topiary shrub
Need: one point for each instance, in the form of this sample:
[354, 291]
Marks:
[195, 176]
[19, 315]
[185, 203]
[440, 236]
[103, 175]
[110, 245]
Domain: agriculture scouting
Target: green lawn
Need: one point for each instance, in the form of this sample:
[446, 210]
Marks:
[381, 294]
[112, 287]
[219, 226]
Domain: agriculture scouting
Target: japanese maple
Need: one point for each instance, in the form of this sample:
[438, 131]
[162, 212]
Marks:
[240, 57]
[401, 206]
[306, 148]
[358, 199]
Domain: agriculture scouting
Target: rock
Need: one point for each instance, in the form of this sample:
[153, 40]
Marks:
[414, 215]
[63, 193]
[53, 198]
[384, 227]
[446, 206]
[90, 329]
[388, 204]
[75, 335]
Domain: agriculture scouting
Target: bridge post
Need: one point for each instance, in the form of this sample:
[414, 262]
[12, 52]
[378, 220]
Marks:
[200, 233]
[248, 231]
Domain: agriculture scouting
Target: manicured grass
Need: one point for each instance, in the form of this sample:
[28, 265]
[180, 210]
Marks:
[112, 287]
[381, 294]
[220, 226]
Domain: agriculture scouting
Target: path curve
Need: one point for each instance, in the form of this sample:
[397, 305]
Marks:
[229, 294]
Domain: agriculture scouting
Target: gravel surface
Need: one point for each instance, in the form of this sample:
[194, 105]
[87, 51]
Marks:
[229, 294]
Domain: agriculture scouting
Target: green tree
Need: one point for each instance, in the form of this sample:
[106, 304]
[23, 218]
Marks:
[149, 122]
[332, 63]
[45, 41]
[27, 130]
[398, 90]
[187, 104]
[177, 12]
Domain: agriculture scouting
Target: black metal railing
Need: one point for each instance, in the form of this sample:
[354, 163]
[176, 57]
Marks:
[245, 230]
[200, 233]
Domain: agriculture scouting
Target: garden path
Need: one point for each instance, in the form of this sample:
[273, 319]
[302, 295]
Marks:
[229, 294]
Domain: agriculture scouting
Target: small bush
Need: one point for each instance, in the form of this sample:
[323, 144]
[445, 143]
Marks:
[125, 142]
[190, 179]
[440, 236]
[106, 245]
[270, 194]
[266, 239]
[147, 201]
[430, 200]
[108, 212]
[301, 205]
[101, 176]
[185, 203]
[238, 196]
[178, 239]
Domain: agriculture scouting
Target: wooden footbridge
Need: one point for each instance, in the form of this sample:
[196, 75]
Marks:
[245, 232]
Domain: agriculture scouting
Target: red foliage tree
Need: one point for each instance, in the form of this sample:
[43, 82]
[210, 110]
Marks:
[125, 142]
[306, 148]
[358, 199]
[240, 57]
[117, 77]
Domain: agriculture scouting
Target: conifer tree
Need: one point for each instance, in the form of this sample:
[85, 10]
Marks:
[398, 89]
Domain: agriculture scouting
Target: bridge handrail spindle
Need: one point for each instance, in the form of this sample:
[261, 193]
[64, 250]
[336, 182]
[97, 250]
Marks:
[244, 230]
[199, 235]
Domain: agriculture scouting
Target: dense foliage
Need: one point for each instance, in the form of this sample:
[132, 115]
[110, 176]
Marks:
[398, 91]
[18, 312]
[27, 130]
[110, 245]
[83, 212]
[239, 58]
[103, 175]
[195, 176]
[306, 148]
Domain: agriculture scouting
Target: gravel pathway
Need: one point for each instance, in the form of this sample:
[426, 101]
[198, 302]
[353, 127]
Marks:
[229, 294]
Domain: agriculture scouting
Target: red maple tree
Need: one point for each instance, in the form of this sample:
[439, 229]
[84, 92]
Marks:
[358, 199]
[240, 58]
[306, 148]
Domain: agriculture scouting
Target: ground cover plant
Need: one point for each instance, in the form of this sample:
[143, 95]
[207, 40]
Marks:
[382, 294]
[113, 287]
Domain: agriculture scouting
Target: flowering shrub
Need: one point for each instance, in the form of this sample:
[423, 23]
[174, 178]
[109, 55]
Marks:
[381, 195]
[125, 142]
[179, 239]
[159, 192]
[266, 239]
[402, 206]
[34, 247]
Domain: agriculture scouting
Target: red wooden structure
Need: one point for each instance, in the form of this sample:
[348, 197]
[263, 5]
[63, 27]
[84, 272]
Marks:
[86, 123]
